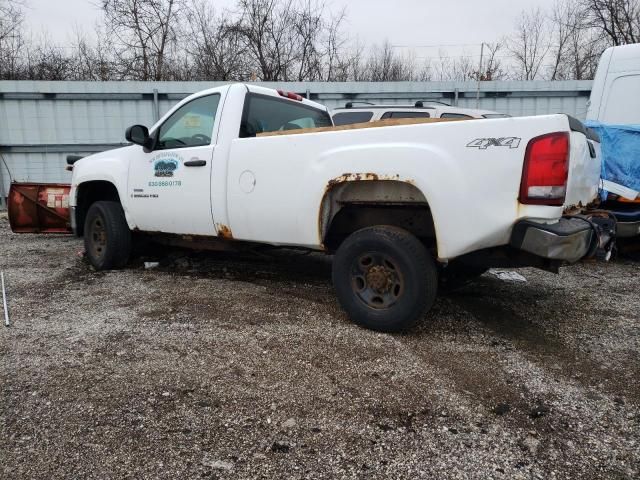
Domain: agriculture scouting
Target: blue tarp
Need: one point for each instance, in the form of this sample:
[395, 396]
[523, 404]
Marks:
[620, 153]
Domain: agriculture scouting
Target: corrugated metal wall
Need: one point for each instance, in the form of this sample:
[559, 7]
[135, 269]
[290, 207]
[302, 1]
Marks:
[41, 122]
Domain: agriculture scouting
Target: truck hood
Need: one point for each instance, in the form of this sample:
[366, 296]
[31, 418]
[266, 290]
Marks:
[107, 154]
[102, 166]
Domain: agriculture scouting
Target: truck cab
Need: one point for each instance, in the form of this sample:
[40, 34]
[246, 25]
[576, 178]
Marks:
[175, 166]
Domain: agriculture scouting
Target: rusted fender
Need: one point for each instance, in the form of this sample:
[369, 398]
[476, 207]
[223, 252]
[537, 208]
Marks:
[39, 208]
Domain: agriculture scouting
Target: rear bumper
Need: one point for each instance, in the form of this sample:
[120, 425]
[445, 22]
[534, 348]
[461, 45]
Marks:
[567, 240]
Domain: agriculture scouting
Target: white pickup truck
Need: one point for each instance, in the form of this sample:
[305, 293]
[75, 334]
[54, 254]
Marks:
[397, 205]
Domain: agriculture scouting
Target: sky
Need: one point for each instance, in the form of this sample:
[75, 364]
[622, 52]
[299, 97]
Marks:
[425, 27]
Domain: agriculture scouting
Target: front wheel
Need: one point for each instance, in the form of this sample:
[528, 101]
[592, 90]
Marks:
[107, 238]
[385, 278]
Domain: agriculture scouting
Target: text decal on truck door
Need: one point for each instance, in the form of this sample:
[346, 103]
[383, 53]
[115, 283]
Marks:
[484, 143]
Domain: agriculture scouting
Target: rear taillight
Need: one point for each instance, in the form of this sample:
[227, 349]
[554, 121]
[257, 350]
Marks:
[546, 168]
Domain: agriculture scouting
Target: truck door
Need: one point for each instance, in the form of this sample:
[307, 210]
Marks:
[169, 187]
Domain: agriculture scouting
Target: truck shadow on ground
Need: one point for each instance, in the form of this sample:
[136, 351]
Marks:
[524, 317]
[277, 265]
[521, 317]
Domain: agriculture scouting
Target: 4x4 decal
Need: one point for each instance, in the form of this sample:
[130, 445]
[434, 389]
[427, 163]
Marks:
[484, 143]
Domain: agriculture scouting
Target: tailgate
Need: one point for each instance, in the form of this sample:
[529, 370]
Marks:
[584, 165]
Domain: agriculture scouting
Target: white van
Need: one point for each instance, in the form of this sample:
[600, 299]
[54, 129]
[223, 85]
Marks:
[615, 101]
[615, 96]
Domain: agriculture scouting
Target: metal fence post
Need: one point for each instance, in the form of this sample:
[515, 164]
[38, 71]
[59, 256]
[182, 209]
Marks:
[156, 106]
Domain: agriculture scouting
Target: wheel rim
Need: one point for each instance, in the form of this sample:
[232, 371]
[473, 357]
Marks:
[376, 280]
[98, 235]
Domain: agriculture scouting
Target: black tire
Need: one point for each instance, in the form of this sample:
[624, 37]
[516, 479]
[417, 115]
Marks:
[107, 238]
[395, 296]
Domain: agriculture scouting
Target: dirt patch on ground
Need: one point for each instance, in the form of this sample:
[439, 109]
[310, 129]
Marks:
[244, 366]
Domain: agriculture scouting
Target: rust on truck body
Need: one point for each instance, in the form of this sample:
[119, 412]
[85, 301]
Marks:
[224, 231]
[373, 189]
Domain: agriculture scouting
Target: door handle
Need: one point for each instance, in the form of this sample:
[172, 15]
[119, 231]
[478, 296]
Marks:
[195, 163]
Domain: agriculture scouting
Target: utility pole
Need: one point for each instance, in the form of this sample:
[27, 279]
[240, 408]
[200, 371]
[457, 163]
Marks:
[479, 76]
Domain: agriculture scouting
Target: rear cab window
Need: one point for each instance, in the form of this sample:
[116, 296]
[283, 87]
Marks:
[264, 113]
[348, 118]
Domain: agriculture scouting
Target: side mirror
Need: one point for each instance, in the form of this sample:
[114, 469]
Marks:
[138, 134]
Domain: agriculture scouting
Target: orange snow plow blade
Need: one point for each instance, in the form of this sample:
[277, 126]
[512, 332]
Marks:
[39, 208]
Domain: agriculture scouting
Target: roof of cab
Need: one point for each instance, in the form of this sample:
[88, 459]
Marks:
[274, 93]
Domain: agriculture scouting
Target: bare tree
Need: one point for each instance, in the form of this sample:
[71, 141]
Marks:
[449, 68]
[11, 17]
[349, 64]
[385, 65]
[294, 40]
[47, 61]
[91, 60]
[11, 38]
[565, 20]
[308, 25]
[301, 40]
[144, 32]
[530, 45]
[492, 68]
[266, 29]
[216, 49]
[576, 44]
[619, 20]
[333, 45]
[585, 48]
[425, 74]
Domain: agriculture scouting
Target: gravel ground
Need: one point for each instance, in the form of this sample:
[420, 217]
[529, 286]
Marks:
[238, 366]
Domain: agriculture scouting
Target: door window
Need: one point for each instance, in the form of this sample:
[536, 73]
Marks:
[189, 126]
[263, 113]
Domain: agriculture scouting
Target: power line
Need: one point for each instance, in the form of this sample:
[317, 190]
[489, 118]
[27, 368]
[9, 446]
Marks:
[421, 57]
[439, 45]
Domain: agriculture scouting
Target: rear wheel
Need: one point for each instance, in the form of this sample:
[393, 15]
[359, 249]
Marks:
[385, 278]
[107, 238]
